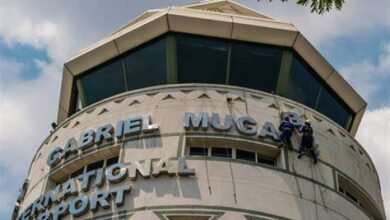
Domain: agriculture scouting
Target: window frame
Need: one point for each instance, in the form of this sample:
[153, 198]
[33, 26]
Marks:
[285, 68]
[209, 147]
[85, 169]
[228, 43]
[79, 88]
[353, 193]
[246, 44]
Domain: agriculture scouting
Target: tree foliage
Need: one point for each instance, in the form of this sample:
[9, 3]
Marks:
[320, 6]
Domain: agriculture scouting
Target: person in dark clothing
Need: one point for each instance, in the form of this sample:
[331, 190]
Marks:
[286, 127]
[307, 142]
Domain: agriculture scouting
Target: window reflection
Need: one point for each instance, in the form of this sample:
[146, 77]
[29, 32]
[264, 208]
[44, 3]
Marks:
[302, 86]
[331, 107]
[104, 81]
[245, 155]
[221, 152]
[196, 59]
[147, 66]
[198, 151]
[201, 60]
[255, 66]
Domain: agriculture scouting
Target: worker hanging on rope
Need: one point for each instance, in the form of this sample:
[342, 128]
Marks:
[307, 142]
[286, 128]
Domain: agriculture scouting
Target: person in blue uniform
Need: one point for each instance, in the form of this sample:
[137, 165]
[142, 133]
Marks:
[286, 128]
[307, 141]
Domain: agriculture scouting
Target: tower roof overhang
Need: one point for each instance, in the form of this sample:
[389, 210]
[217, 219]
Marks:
[223, 19]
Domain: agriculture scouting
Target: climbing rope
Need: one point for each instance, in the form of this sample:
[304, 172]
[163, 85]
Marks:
[321, 191]
[205, 157]
[227, 150]
[314, 193]
[230, 164]
[293, 162]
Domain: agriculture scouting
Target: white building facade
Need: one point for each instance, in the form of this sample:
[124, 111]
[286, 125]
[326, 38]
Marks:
[175, 116]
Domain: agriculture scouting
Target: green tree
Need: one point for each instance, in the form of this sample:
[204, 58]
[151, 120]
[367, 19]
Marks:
[320, 6]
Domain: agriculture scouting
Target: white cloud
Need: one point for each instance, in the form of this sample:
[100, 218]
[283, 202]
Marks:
[18, 26]
[28, 107]
[26, 110]
[370, 78]
[61, 29]
[358, 17]
[9, 70]
[373, 134]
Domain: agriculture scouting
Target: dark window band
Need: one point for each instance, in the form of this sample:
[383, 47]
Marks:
[184, 58]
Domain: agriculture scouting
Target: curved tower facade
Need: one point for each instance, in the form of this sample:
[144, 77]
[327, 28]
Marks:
[175, 116]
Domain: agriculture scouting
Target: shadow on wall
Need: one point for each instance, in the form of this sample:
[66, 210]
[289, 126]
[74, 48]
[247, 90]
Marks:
[145, 143]
[148, 192]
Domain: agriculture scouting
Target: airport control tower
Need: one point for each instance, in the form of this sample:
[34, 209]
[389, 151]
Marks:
[175, 116]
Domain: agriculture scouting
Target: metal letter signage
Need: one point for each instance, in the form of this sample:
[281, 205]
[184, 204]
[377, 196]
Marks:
[217, 125]
[90, 137]
[294, 118]
[69, 198]
[76, 203]
[244, 125]
[190, 120]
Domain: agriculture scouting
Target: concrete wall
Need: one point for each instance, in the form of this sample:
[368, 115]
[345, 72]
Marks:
[242, 25]
[223, 188]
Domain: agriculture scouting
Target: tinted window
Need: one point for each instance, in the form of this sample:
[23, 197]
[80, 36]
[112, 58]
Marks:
[201, 60]
[147, 66]
[351, 196]
[95, 165]
[302, 86]
[112, 161]
[254, 66]
[198, 151]
[205, 60]
[103, 82]
[245, 155]
[331, 107]
[77, 173]
[265, 160]
[221, 152]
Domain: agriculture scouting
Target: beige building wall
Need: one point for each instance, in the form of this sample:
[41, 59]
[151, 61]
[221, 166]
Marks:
[224, 188]
[222, 19]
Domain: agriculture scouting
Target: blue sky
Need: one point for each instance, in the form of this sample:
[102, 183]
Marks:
[25, 54]
[347, 50]
[36, 39]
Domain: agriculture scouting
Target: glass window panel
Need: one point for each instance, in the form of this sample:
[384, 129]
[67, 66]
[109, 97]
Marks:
[188, 217]
[255, 66]
[77, 173]
[147, 66]
[77, 103]
[302, 86]
[198, 151]
[96, 165]
[264, 160]
[221, 152]
[331, 107]
[201, 60]
[112, 161]
[245, 155]
[103, 82]
[351, 196]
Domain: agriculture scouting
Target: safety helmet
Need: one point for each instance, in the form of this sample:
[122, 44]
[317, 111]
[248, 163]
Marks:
[307, 121]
